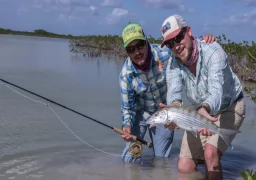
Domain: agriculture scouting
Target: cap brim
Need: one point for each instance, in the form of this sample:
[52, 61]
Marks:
[170, 36]
[134, 38]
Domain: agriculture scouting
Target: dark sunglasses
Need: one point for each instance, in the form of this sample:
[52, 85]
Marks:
[139, 45]
[177, 39]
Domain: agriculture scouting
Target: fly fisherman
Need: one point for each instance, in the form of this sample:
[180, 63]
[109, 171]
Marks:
[143, 87]
[208, 80]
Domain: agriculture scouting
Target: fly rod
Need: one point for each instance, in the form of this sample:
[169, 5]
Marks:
[108, 126]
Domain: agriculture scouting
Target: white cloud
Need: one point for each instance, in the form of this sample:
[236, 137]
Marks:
[51, 11]
[116, 16]
[249, 2]
[241, 19]
[81, 14]
[59, 4]
[177, 5]
[67, 9]
[118, 12]
[238, 23]
[69, 2]
[112, 3]
[22, 9]
[241, 2]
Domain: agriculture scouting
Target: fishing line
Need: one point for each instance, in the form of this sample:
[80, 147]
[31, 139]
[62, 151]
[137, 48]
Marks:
[135, 148]
[48, 105]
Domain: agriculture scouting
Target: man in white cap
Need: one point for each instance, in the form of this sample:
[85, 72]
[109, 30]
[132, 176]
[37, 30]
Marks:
[209, 81]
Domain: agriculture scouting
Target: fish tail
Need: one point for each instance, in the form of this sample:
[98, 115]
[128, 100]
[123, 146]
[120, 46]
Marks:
[228, 131]
[225, 133]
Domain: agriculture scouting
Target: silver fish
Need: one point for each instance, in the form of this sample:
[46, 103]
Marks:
[189, 120]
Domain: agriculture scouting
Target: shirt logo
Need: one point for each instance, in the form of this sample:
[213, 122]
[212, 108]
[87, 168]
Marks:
[166, 27]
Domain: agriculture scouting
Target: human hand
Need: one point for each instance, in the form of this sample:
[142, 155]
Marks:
[161, 105]
[171, 126]
[203, 112]
[209, 39]
[204, 132]
[126, 136]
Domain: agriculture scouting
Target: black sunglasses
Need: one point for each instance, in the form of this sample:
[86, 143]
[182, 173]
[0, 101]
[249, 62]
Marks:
[177, 39]
[139, 45]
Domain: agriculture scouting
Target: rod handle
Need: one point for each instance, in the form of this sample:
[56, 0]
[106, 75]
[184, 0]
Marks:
[133, 137]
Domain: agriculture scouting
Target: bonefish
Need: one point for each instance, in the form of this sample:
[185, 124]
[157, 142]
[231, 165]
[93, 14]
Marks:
[188, 120]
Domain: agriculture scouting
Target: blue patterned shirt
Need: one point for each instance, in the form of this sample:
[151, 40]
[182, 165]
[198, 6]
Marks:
[215, 83]
[143, 90]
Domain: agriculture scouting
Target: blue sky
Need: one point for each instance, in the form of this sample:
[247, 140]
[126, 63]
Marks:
[234, 18]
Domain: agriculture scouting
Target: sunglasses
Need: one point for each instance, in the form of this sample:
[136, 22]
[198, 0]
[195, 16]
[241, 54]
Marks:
[177, 39]
[139, 45]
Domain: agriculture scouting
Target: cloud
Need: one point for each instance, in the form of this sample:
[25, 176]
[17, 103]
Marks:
[54, 15]
[59, 9]
[22, 9]
[61, 4]
[112, 3]
[82, 14]
[242, 2]
[241, 19]
[177, 5]
[116, 16]
[249, 2]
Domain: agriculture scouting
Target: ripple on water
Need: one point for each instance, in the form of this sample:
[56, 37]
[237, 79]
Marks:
[14, 168]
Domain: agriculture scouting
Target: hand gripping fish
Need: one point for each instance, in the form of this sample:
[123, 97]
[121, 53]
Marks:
[188, 120]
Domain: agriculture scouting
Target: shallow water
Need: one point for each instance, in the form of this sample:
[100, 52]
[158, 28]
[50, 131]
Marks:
[35, 144]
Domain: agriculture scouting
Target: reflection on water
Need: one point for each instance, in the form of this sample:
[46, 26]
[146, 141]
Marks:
[65, 163]
[35, 145]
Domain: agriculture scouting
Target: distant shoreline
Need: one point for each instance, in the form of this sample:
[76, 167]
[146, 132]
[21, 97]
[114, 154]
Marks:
[241, 56]
[36, 36]
[38, 33]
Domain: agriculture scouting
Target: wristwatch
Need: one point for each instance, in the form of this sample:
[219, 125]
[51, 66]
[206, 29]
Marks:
[177, 102]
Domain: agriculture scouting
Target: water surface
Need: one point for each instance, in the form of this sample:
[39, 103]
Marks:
[35, 144]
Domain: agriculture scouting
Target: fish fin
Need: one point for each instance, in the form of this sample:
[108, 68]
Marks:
[226, 139]
[228, 131]
[151, 125]
[224, 134]
[194, 132]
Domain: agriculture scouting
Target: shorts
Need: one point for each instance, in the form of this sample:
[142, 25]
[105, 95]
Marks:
[193, 147]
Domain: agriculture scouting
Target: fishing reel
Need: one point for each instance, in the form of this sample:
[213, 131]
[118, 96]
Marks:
[135, 149]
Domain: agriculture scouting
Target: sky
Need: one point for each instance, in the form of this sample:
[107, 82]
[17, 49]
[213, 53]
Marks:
[234, 18]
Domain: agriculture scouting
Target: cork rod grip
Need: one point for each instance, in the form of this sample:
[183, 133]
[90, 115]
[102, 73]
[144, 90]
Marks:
[133, 137]
[124, 133]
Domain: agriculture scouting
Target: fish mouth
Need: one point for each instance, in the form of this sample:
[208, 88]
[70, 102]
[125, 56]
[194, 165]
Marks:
[151, 125]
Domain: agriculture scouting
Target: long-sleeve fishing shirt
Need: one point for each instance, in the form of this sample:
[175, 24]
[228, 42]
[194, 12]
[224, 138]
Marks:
[214, 83]
[143, 90]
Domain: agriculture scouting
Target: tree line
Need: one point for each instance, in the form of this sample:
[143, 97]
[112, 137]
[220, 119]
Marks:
[242, 56]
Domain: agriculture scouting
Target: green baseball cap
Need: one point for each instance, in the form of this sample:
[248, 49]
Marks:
[131, 32]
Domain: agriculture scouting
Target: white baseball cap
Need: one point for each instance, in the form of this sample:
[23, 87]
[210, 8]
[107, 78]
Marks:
[171, 27]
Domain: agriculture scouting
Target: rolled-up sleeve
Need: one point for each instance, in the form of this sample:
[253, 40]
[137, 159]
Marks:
[174, 81]
[127, 102]
[217, 65]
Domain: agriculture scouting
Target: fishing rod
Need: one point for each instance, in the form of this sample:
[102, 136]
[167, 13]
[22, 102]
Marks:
[135, 147]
